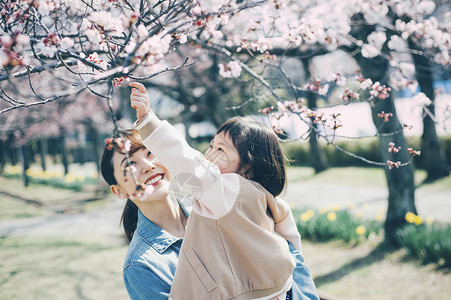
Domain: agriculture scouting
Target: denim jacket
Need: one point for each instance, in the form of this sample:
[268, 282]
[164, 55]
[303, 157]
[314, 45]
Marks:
[152, 257]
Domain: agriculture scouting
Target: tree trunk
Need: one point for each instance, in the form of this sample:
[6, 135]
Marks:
[63, 152]
[11, 149]
[400, 181]
[2, 156]
[186, 120]
[318, 158]
[53, 149]
[25, 164]
[433, 157]
[217, 114]
[95, 144]
[42, 153]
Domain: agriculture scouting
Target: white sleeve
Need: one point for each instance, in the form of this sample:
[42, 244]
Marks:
[214, 193]
[288, 230]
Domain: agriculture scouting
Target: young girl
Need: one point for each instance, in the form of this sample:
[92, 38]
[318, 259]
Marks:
[230, 249]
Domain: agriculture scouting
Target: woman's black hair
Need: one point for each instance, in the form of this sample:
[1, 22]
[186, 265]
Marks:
[129, 218]
[262, 158]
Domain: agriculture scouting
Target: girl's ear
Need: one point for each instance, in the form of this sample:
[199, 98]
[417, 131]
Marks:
[117, 190]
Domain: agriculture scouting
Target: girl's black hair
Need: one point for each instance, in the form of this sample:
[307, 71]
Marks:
[262, 158]
[129, 218]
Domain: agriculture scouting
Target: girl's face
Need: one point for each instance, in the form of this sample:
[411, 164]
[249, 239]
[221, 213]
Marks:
[147, 170]
[223, 154]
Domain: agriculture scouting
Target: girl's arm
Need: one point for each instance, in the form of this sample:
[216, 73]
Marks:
[214, 193]
[285, 225]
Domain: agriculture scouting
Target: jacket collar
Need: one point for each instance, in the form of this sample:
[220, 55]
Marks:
[154, 235]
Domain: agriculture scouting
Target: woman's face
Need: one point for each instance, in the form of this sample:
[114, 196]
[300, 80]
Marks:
[147, 170]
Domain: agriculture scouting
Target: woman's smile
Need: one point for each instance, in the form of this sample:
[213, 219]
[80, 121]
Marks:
[155, 179]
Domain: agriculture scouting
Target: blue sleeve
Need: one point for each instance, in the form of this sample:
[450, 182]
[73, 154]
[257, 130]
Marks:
[303, 286]
[143, 284]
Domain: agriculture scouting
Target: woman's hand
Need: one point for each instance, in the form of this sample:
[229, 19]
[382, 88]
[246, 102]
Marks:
[139, 99]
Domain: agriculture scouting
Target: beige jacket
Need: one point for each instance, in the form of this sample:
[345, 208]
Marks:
[230, 249]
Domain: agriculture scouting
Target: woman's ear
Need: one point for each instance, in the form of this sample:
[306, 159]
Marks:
[117, 190]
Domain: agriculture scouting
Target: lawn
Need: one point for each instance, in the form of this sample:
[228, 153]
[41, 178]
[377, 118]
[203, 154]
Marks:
[40, 200]
[372, 272]
[86, 268]
[355, 176]
[90, 267]
[60, 267]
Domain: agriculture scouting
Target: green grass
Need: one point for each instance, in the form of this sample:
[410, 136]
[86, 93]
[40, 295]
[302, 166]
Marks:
[49, 198]
[335, 225]
[37, 192]
[372, 272]
[358, 176]
[11, 208]
[350, 176]
[443, 184]
[427, 243]
[90, 267]
[60, 268]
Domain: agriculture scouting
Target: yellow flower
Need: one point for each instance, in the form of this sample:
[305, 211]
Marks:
[429, 220]
[410, 217]
[69, 178]
[291, 204]
[331, 216]
[360, 230]
[322, 211]
[13, 169]
[307, 215]
[336, 207]
[358, 215]
[418, 220]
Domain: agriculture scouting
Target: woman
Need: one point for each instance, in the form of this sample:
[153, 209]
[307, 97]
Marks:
[155, 224]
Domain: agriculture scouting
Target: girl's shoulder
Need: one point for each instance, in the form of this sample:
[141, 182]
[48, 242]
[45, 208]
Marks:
[249, 185]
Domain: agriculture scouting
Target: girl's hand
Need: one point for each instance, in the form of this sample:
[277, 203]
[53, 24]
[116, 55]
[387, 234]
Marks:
[139, 99]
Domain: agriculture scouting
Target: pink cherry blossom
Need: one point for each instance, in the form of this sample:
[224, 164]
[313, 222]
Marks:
[385, 116]
[392, 148]
[380, 91]
[392, 164]
[232, 69]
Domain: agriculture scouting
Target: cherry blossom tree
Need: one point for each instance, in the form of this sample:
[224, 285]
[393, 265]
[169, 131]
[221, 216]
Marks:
[376, 34]
[52, 50]
[45, 131]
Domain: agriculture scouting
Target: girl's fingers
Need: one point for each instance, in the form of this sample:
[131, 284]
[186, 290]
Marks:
[139, 98]
[136, 104]
[139, 101]
[138, 95]
[139, 86]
